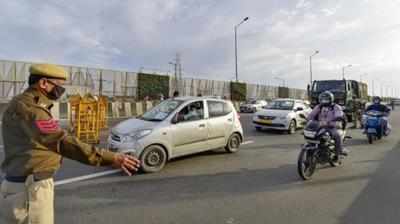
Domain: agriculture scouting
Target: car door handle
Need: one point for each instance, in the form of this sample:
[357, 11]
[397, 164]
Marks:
[202, 125]
[230, 120]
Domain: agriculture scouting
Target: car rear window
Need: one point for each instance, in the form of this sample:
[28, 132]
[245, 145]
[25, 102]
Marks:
[218, 108]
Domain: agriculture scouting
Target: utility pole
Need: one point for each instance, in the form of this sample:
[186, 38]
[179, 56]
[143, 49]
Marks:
[311, 77]
[101, 83]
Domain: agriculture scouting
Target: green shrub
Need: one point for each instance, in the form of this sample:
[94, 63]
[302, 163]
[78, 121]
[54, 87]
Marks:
[152, 86]
[283, 92]
[238, 91]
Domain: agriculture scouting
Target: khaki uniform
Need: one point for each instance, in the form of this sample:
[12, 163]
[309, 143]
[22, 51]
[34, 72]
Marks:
[34, 145]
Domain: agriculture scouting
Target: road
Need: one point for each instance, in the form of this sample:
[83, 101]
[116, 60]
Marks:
[259, 184]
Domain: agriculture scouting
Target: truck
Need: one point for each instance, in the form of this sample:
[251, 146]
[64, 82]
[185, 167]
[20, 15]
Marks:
[350, 94]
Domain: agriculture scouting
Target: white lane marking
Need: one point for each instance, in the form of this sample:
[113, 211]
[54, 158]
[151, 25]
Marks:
[105, 173]
[86, 177]
[247, 142]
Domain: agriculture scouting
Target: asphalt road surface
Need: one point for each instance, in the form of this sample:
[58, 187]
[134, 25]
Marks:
[259, 184]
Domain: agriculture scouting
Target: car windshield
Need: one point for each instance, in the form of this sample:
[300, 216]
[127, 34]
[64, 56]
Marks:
[336, 85]
[161, 111]
[251, 102]
[281, 105]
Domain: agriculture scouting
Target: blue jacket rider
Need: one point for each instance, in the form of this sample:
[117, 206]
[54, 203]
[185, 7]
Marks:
[378, 106]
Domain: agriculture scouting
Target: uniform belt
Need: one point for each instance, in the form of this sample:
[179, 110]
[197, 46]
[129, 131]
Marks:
[36, 177]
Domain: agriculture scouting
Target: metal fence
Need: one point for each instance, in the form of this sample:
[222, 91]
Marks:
[112, 83]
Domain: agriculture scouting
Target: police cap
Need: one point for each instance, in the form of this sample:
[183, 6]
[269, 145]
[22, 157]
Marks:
[49, 71]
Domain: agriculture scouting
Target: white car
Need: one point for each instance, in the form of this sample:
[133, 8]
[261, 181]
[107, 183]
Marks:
[253, 106]
[282, 114]
[178, 127]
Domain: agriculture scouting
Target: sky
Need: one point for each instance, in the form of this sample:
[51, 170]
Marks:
[276, 41]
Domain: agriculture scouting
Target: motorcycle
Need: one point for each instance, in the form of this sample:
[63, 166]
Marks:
[318, 149]
[373, 126]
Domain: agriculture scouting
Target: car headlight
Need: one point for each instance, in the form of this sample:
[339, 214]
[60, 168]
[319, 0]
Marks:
[136, 135]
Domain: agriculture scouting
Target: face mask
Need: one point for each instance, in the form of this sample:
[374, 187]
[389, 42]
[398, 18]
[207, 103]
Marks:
[56, 92]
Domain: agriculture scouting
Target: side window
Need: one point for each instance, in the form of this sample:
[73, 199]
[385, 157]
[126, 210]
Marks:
[218, 108]
[192, 112]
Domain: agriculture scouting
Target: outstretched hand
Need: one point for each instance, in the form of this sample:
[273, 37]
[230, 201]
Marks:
[129, 164]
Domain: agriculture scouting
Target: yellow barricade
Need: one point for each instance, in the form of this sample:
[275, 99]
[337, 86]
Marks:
[88, 115]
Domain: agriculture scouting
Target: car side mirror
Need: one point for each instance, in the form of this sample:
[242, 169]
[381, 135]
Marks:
[176, 119]
[302, 116]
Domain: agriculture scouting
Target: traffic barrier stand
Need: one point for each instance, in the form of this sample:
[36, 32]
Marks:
[88, 116]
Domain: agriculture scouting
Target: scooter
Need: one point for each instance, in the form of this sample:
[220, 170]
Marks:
[373, 126]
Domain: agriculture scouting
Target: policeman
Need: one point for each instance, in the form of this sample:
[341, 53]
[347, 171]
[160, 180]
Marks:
[34, 145]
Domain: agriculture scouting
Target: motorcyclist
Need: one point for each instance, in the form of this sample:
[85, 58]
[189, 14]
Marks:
[378, 106]
[331, 115]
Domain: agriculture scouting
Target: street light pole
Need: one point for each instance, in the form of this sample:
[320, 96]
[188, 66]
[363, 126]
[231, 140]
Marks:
[343, 69]
[311, 78]
[236, 59]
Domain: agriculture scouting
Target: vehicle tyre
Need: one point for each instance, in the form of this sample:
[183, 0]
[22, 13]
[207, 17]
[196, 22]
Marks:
[370, 138]
[292, 127]
[233, 143]
[306, 164]
[333, 162]
[153, 159]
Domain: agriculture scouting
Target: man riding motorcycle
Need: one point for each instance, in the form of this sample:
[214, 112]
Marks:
[331, 115]
[378, 106]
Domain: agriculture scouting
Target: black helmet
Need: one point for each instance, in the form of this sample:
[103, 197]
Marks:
[326, 98]
[376, 100]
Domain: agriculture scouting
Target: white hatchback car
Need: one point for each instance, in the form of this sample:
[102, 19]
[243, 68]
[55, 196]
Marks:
[252, 106]
[178, 127]
[282, 114]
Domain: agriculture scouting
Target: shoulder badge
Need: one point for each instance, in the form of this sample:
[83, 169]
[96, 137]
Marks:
[47, 126]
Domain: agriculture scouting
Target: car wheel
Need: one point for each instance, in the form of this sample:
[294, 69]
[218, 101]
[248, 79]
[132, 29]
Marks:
[292, 127]
[153, 159]
[233, 143]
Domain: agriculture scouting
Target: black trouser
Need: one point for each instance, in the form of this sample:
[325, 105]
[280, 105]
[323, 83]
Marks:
[338, 140]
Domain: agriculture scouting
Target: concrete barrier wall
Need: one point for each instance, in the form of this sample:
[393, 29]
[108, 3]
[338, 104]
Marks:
[112, 83]
[115, 109]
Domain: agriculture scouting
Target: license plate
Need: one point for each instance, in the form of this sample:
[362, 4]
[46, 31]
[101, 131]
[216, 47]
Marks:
[371, 130]
[309, 134]
[265, 121]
